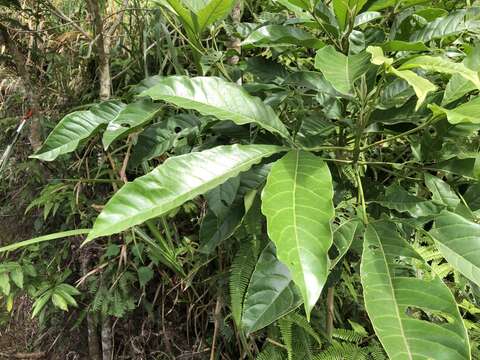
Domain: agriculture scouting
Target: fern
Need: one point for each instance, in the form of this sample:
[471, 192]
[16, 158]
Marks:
[270, 353]
[343, 351]
[347, 335]
[240, 273]
[303, 323]
[285, 326]
[376, 352]
[302, 344]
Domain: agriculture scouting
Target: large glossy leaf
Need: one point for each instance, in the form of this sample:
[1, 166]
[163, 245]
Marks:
[345, 10]
[340, 70]
[442, 65]
[393, 298]
[458, 239]
[465, 113]
[217, 97]
[274, 35]
[130, 119]
[271, 292]
[297, 201]
[176, 181]
[452, 24]
[77, 127]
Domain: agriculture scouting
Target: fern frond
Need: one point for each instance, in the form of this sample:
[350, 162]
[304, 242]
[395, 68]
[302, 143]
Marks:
[376, 352]
[285, 326]
[303, 323]
[302, 344]
[270, 353]
[347, 335]
[342, 351]
[240, 274]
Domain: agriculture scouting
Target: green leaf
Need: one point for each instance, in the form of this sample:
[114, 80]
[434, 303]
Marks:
[43, 238]
[176, 181]
[465, 113]
[442, 65]
[59, 302]
[132, 117]
[453, 24]
[159, 138]
[271, 292]
[214, 230]
[40, 303]
[215, 10]
[457, 86]
[17, 276]
[398, 45]
[297, 201]
[217, 97]
[145, 274]
[383, 4]
[345, 10]
[458, 239]
[441, 191]
[4, 283]
[340, 70]
[399, 199]
[275, 35]
[342, 239]
[76, 128]
[392, 298]
[420, 85]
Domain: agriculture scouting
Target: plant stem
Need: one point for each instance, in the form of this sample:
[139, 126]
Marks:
[406, 133]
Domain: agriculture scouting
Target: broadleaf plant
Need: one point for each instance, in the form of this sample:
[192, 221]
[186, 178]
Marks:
[348, 134]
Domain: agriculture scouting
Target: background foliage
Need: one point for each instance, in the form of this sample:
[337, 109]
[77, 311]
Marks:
[283, 179]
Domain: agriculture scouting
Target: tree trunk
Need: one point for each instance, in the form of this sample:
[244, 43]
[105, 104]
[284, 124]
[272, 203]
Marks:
[35, 134]
[107, 348]
[93, 339]
[103, 50]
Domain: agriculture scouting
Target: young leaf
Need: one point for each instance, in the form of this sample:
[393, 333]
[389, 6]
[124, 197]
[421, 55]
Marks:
[129, 119]
[420, 85]
[176, 181]
[392, 298]
[215, 10]
[274, 35]
[458, 239]
[346, 9]
[297, 201]
[442, 65]
[340, 70]
[76, 128]
[465, 113]
[216, 97]
[271, 292]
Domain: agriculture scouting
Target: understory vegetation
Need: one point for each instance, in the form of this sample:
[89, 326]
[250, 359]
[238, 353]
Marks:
[240, 179]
